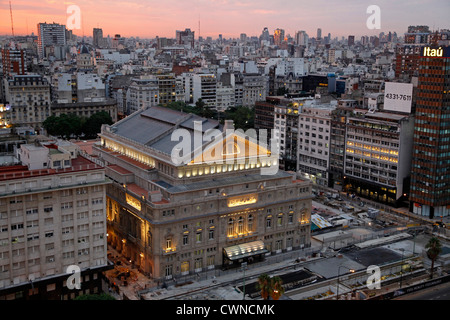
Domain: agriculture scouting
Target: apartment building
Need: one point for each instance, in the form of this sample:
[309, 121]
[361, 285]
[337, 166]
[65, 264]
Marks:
[29, 99]
[254, 88]
[225, 97]
[52, 219]
[77, 87]
[50, 35]
[314, 131]
[344, 109]
[378, 155]
[142, 93]
[204, 87]
[86, 109]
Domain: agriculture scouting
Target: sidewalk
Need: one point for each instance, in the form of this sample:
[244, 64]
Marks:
[220, 287]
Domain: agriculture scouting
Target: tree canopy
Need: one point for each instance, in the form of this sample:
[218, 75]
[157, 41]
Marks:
[243, 117]
[70, 125]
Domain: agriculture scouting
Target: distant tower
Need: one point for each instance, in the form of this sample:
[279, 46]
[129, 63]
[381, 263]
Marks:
[12, 23]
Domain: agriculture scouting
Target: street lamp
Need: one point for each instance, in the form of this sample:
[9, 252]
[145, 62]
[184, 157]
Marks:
[339, 269]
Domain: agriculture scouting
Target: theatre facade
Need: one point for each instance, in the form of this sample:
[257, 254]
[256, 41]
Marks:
[175, 219]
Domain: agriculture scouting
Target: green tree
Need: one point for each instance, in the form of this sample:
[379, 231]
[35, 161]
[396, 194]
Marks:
[50, 125]
[93, 124]
[281, 91]
[434, 249]
[63, 126]
[264, 284]
[277, 288]
[243, 117]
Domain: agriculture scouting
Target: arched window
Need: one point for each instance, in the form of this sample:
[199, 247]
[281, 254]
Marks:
[269, 222]
[230, 231]
[280, 220]
[250, 222]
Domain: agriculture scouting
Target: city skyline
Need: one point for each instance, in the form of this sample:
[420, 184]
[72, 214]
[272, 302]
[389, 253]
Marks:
[148, 19]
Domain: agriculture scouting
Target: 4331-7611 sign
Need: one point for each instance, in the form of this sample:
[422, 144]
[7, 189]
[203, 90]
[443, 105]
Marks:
[396, 96]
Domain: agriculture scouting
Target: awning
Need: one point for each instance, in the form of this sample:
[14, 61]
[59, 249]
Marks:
[244, 250]
[320, 222]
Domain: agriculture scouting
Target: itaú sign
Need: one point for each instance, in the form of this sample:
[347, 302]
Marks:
[440, 52]
[242, 200]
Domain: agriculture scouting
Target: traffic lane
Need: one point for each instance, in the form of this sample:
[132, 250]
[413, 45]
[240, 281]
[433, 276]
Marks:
[440, 292]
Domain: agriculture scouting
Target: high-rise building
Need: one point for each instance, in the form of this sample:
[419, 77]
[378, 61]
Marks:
[186, 37]
[377, 159]
[50, 34]
[314, 126]
[430, 177]
[53, 221]
[418, 35]
[278, 36]
[98, 37]
[204, 87]
[301, 38]
[168, 88]
[339, 116]
[29, 98]
[319, 33]
[142, 93]
[265, 36]
[351, 41]
[14, 61]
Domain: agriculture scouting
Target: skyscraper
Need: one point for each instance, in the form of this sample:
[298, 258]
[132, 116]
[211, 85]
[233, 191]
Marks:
[301, 38]
[14, 61]
[185, 37]
[278, 36]
[351, 41]
[430, 176]
[50, 34]
[265, 36]
[97, 37]
[319, 33]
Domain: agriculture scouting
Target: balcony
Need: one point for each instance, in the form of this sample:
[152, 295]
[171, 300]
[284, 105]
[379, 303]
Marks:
[168, 251]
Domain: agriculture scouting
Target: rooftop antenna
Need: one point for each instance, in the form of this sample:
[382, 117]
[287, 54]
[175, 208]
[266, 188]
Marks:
[12, 24]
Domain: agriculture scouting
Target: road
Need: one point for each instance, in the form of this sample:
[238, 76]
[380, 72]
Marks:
[440, 292]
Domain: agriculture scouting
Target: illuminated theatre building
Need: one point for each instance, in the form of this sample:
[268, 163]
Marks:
[175, 220]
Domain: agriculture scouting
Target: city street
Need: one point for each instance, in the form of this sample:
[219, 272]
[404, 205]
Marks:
[440, 292]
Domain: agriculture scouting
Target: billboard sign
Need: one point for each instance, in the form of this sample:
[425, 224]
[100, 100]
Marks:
[398, 96]
[436, 52]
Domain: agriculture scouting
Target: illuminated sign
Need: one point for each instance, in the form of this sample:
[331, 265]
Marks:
[428, 52]
[242, 200]
[436, 52]
[135, 203]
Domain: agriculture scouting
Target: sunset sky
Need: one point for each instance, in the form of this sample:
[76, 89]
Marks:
[150, 18]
